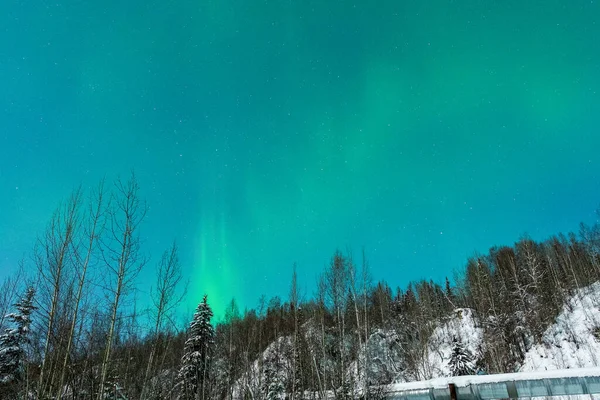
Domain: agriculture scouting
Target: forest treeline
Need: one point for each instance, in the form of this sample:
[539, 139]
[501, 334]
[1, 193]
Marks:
[71, 329]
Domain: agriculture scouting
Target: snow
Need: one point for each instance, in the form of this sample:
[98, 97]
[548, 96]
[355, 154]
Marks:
[570, 341]
[252, 380]
[461, 325]
[570, 347]
[384, 360]
[463, 381]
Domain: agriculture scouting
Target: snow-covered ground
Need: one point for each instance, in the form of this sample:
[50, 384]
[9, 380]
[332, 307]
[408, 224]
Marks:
[462, 325]
[252, 381]
[463, 381]
[573, 341]
[383, 358]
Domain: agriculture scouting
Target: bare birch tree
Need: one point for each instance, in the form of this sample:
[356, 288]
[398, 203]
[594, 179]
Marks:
[164, 299]
[322, 311]
[354, 288]
[121, 255]
[294, 303]
[337, 292]
[52, 255]
[83, 257]
[8, 293]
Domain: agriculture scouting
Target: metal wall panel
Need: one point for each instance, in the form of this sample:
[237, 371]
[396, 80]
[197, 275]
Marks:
[512, 388]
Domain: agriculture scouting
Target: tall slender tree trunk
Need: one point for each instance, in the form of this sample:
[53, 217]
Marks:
[361, 350]
[95, 215]
[56, 246]
[365, 287]
[122, 258]
[294, 305]
[109, 341]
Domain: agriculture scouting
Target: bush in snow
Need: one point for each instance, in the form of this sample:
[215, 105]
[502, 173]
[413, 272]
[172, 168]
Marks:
[461, 360]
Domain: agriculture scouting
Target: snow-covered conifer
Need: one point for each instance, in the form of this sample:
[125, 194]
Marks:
[14, 340]
[461, 360]
[193, 375]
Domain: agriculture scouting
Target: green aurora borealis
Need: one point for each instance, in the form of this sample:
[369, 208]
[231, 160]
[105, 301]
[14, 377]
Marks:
[270, 132]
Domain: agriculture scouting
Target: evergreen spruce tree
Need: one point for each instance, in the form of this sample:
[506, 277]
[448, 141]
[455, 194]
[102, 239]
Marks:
[14, 340]
[194, 372]
[461, 360]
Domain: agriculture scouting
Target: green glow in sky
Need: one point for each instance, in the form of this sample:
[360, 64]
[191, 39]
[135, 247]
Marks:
[271, 132]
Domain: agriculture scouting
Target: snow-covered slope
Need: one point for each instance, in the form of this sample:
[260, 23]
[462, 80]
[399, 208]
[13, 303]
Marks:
[462, 325]
[251, 381]
[383, 359]
[383, 356]
[573, 341]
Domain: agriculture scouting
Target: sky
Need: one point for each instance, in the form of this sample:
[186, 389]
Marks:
[267, 133]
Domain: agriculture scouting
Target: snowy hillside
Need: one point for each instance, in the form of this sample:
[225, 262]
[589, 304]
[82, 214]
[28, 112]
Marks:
[573, 341]
[383, 356]
[384, 352]
[275, 354]
[460, 325]
[383, 359]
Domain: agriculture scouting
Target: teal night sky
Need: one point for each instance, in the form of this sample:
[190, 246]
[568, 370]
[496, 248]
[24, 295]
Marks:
[270, 132]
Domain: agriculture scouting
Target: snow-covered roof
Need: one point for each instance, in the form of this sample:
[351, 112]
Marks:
[522, 384]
